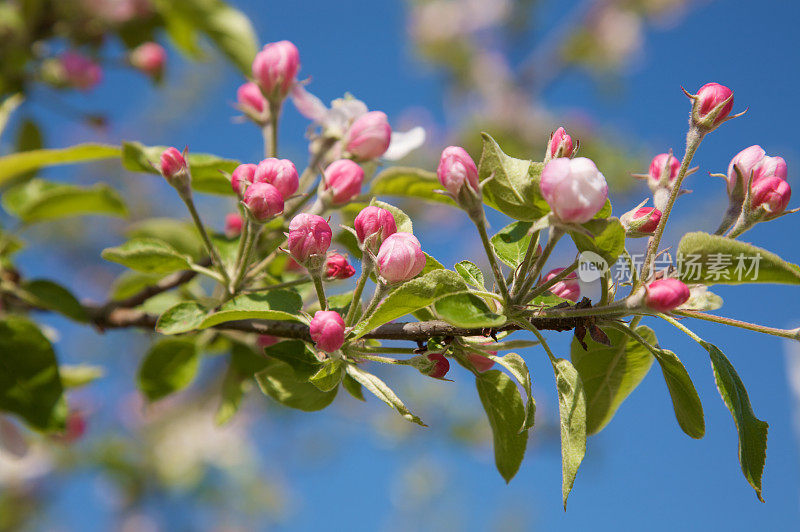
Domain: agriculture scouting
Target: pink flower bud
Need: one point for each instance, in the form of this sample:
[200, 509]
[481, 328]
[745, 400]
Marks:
[641, 220]
[233, 224]
[560, 144]
[663, 170]
[574, 188]
[337, 267]
[567, 288]
[309, 235]
[342, 181]
[754, 162]
[481, 363]
[174, 169]
[400, 258]
[263, 201]
[665, 295]
[242, 177]
[440, 365]
[456, 167]
[772, 193]
[275, 68]
[327, 330]
[80, 72]
[75, 428]
[266, 340]
[149, 58]
[250, 99]
[279, 173]
[369, 136]
[707, 99]
[373, 225]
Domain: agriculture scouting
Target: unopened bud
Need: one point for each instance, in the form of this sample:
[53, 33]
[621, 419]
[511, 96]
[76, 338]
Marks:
[149, 58]
[433, 365]
[369, 136]
[280, 173]
[337, 267]
[263, 201]
[642, 220]
[327, 330]
[560, 145]
[566, 288]
[252, 102]
[242, 177]
[665, 295]
[711, 106]
[373, 225]
[275, 68]
[233, 224]
[174, 169]
[574, 188]
[342, 182]
[400, 258]
[308, 239]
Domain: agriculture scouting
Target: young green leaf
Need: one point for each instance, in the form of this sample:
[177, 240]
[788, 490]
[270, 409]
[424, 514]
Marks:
[38, 201]
[511, 242]
[353, 387]
[180, 234]
[270, 305]
[610, 373]
[467, 311]
[20, 163]
[169, 366]
[30, 383]
[470, 273]
[712, 259]
[409, 183]
[231, 394]
[515, 365]
[78, 375]
[184, 317]
[572, 410]
[685, 401]
[514, 189]
[382, 392]
[148, 255]
[49, 295]
[280, 382]
[608, 238]
[503, 405]
[329, 375]
[297, 355]
[752, 431]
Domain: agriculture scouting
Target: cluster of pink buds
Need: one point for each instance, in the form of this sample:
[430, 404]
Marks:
[458, 174]
[400, 258]
[149, 58]
[341, 182]
[327, 330]
[252, 103]
[263, 188]
[566, 288]
[433, 365]
[308, 240]
[173, 167]
[665, 295]
[275, 69]
[574, 188]
[559, 145]
[369, 136]
[373, 225]
[80, 72]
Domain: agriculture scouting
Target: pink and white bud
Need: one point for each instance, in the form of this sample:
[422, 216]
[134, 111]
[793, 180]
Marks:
[327, 330]
[251, 101]
[665, 295]
[664, 169]
[400, 258]
[455, 169]
[263, 201]
[79, 71]
[641, 220]
[373, 224]
[433, 365]
[482, 364]
[754, 162]
[309, 236]
[242, 177]
[233, 224]
[266, 340]
[149, 58]
[711, 105]
[174, 169]
[342, 181]
[369, 136]
[574, 188]
[560, 145]
[275, 68]
[280, 173]
[337, 267]
[772, 194]
[566, 288]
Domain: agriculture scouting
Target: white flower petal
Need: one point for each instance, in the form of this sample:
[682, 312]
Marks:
[404, 142]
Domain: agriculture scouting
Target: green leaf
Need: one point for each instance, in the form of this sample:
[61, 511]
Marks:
[608, 239]
[409, 183]
[30, 384]
[413, 295]
[712, 259]
[280, 382]
[503, 405]
[169, 366]
[515, 364]
[511, 243]
[49, 295]
[685, 401]
[353, 387]
[514, 190]
[610, 373]
[297, 355]
[39, 200]
[270, 305]
[228, 28]
[246, 361]
[206, 168]
[382, 391]
[148, 255]
[401, 219]
[752, 431]
[329, 375]
[76, 376]
[467, 311]
[470, 273]
[231, 394]
[572, 411]
[184, 317]
[179, 234]
[17, 164]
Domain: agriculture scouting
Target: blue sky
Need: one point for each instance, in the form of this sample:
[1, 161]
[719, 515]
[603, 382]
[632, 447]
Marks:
[641, 472]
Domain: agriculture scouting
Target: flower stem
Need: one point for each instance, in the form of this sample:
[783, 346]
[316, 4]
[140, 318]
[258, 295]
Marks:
[480, 223]
[271, 130]
[792, 334]
[212, 250]
[251, 237]
[380, 291]
[542, 288]
[323, 301]
[555, 234]
[355, 304]
[693, 139]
